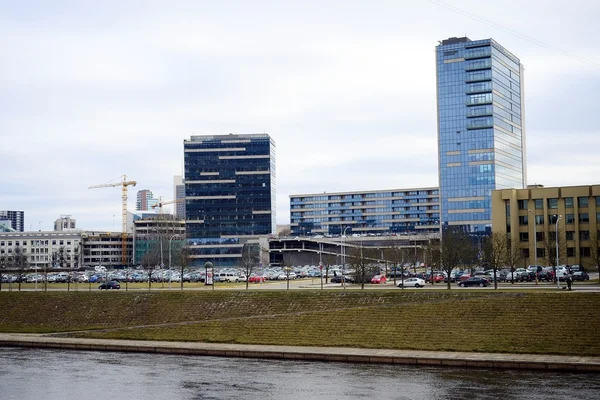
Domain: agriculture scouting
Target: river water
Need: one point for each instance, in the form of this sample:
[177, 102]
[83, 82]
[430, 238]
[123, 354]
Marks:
[43, 374]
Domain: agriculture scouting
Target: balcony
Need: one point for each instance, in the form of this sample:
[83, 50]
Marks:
[480, 64]
[475, 101]
[479, 112]
[478, 53]
[485, 87]
[483, 123]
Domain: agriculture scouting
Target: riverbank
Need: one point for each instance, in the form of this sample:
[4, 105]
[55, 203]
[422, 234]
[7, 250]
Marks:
[330, 354]
[557, 323]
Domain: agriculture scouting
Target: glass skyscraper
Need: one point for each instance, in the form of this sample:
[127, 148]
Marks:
[230, 195]
[481, 130]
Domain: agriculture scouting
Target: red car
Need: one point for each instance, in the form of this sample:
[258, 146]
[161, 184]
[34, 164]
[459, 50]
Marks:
[256, 279]
[378, 279]
[463, 277]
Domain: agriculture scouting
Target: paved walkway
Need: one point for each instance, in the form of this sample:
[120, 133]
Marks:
[409, 357]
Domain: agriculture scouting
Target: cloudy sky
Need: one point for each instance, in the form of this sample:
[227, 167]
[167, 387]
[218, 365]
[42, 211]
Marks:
[92, 90]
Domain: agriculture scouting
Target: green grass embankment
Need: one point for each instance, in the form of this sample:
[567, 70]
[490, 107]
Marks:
[487, 321]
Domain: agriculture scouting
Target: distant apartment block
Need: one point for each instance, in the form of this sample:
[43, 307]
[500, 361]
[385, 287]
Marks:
[179, 197]
[377, 212]
[145, 200]
[16, 219]
[64, 223]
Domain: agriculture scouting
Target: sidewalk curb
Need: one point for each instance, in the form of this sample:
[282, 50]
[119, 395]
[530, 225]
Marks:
[336, 354]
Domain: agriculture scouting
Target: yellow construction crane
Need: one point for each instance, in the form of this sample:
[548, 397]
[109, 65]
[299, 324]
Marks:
[161, 203]
[124, 185]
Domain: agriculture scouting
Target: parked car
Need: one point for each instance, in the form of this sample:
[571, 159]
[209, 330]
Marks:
[229, 277]
[256, 279]
[463, 277]
[527, 276]
[535, 268]
[545, 275]
[474, 281]
[576, 267]
[378, 279]
[580, 276]
[562, 272]
[338, 279]
[110, 285]
[412, 282]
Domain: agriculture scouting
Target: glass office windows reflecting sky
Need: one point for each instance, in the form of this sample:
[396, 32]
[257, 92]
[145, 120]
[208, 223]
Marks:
[481, 143]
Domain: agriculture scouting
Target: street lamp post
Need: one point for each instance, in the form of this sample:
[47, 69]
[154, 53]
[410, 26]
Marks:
[321, 263]
[556, 239]
[170, 272]
[344, 255]
[534, 243]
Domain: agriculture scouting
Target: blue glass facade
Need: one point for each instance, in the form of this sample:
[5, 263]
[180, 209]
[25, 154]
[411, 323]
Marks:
[481, 137]
[230, 194]
[375, 212]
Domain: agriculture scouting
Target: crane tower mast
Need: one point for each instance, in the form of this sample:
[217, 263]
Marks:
[123, 185]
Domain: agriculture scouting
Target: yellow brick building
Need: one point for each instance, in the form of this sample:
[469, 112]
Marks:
[531, 217]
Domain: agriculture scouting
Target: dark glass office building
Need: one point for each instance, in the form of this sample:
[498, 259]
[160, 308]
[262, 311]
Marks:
[481, 129]
[230, 195]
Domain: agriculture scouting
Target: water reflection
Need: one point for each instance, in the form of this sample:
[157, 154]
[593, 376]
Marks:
[66, 375]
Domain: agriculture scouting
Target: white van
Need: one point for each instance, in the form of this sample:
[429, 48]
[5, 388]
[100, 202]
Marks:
[229, 277]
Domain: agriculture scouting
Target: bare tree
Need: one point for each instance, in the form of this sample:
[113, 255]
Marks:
[432, 252]
[455, 248]
[288, 263]
[395, 256]
[328, 260]
[595, 251]
[472, 254]
[361, 259]
[4, 262]
[19, 263]
[495, 251]
[513, 257]
[249, 260]
[150, 260]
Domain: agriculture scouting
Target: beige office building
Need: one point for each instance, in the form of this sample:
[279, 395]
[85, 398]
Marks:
[532, 217]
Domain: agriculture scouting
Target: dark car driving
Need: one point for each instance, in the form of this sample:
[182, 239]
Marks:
[110, 285]
[474, 281]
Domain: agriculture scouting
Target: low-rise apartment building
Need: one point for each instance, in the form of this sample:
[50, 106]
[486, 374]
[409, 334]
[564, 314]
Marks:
[378, 211]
